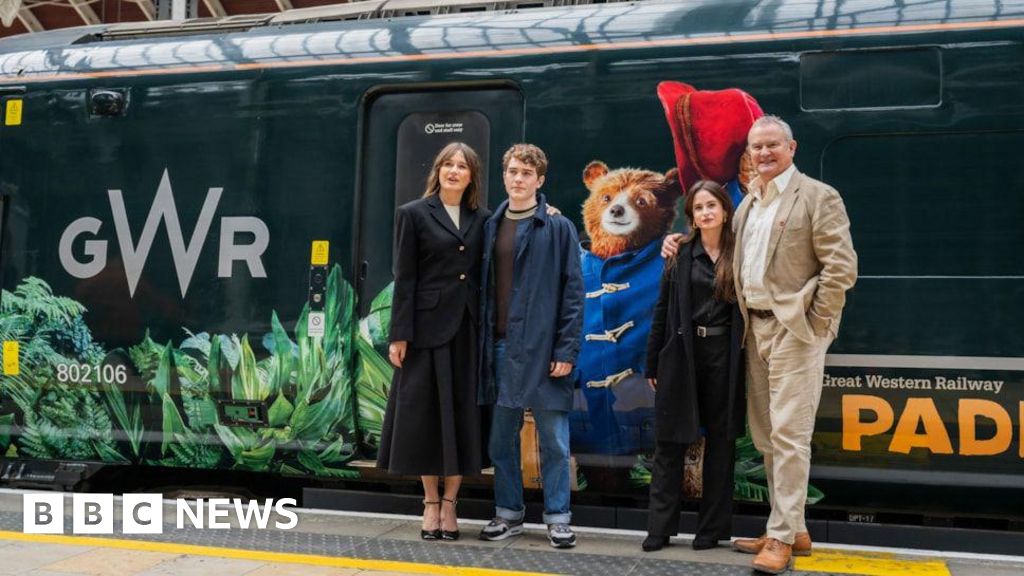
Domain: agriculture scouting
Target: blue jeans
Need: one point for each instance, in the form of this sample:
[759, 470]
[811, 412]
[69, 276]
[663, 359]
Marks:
[553, 433]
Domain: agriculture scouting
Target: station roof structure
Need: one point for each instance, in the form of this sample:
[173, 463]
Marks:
[122, 19]
[41, 15]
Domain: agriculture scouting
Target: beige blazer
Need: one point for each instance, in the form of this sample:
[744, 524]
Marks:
[811, 260]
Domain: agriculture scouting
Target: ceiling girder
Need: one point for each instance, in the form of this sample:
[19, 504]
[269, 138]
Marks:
[148, 8]
[85, 11]
[216, 8]
[29, 20]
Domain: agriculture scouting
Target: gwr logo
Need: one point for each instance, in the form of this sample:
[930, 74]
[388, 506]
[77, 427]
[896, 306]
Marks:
[185, 255]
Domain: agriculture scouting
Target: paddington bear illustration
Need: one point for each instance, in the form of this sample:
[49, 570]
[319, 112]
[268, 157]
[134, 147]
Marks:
[627, 213]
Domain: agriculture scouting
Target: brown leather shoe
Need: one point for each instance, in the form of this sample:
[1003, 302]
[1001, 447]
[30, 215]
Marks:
[801, 544]
[774, 558]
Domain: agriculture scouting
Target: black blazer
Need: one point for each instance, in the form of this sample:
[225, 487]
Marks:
[437, 271]
[670, 359]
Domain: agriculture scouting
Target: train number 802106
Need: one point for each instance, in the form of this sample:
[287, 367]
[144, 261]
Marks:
[92, 374]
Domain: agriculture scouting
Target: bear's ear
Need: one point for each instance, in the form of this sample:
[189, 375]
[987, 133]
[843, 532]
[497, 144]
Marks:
[672, 184]
[593, 171]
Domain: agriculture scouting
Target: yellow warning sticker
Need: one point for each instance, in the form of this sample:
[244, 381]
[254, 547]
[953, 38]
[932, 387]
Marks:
[12, 115]
[320, 250]
[11, 365]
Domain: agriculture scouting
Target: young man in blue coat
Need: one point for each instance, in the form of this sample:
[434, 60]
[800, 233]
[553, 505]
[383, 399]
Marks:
[532, 289]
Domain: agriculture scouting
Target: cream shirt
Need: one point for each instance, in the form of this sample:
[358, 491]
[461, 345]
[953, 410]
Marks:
[453, 212]
[756, 232]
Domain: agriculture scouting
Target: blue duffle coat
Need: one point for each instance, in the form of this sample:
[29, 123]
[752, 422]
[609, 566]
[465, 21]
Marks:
[620, 294]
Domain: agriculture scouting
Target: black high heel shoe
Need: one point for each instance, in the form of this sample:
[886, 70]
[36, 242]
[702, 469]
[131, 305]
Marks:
[450, 535]
[434, 534]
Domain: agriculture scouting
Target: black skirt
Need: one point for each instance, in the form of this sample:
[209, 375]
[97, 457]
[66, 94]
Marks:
[432, 423]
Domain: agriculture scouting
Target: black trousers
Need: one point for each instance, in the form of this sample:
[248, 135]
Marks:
[714, 519]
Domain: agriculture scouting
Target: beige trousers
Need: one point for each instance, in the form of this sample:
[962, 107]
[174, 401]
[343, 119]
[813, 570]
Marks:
[784, 381]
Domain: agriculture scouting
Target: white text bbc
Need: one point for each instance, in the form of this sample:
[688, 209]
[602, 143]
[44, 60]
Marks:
[144, 513]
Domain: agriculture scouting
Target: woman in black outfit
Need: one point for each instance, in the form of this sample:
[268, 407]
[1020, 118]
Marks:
[432, 423]
[695, 366]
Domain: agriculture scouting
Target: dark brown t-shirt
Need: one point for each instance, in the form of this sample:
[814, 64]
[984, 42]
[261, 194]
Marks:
[504, 257]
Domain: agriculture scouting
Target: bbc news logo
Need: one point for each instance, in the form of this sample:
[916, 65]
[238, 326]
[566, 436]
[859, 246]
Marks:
[144, 513]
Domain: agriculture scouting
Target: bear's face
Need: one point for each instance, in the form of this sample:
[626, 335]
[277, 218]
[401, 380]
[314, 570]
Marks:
[627, 207]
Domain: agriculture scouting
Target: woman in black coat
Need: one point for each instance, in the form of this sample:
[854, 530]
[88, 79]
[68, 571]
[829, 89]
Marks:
[695, 366]
[432, 422]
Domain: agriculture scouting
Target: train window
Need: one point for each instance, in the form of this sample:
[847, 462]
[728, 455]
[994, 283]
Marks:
[927, 205]
[857, 79]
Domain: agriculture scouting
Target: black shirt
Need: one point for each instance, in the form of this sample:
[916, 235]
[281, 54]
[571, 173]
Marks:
[707, 310]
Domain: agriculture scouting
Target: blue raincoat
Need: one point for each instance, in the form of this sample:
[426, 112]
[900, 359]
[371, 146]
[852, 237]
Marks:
[544, 317]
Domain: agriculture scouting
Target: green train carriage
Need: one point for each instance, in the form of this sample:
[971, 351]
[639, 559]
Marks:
[161, 187]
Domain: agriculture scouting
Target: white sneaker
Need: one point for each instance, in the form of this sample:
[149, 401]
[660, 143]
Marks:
[561, 536]
[499, 528]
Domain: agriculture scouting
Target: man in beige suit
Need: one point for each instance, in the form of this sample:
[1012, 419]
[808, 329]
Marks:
[794, 263]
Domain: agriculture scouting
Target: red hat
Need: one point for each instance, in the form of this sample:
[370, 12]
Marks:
[709, 129]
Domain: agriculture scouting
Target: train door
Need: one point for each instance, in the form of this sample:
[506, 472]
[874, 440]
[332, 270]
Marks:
[403, 131]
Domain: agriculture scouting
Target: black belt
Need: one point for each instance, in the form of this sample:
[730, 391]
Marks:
[705, 331]
[763, 314]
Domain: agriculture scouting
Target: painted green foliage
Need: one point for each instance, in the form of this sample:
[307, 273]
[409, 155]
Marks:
[306, 383]
[373, 371]
[60, 421]
[320, 407]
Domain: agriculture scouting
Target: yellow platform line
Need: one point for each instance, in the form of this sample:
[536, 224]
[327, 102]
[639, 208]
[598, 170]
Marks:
[869, 564]
[261, 555]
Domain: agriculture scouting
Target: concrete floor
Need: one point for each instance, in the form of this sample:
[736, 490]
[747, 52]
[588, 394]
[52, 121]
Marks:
[330, 543]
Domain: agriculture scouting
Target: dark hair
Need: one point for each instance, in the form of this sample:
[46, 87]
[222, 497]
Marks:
[471, 197]
[527, 154]
[725, 288]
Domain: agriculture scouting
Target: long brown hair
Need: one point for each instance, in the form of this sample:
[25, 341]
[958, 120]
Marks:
[725, 288]
[471, 197]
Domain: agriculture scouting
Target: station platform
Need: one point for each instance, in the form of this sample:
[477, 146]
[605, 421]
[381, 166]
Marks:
[342, 543]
